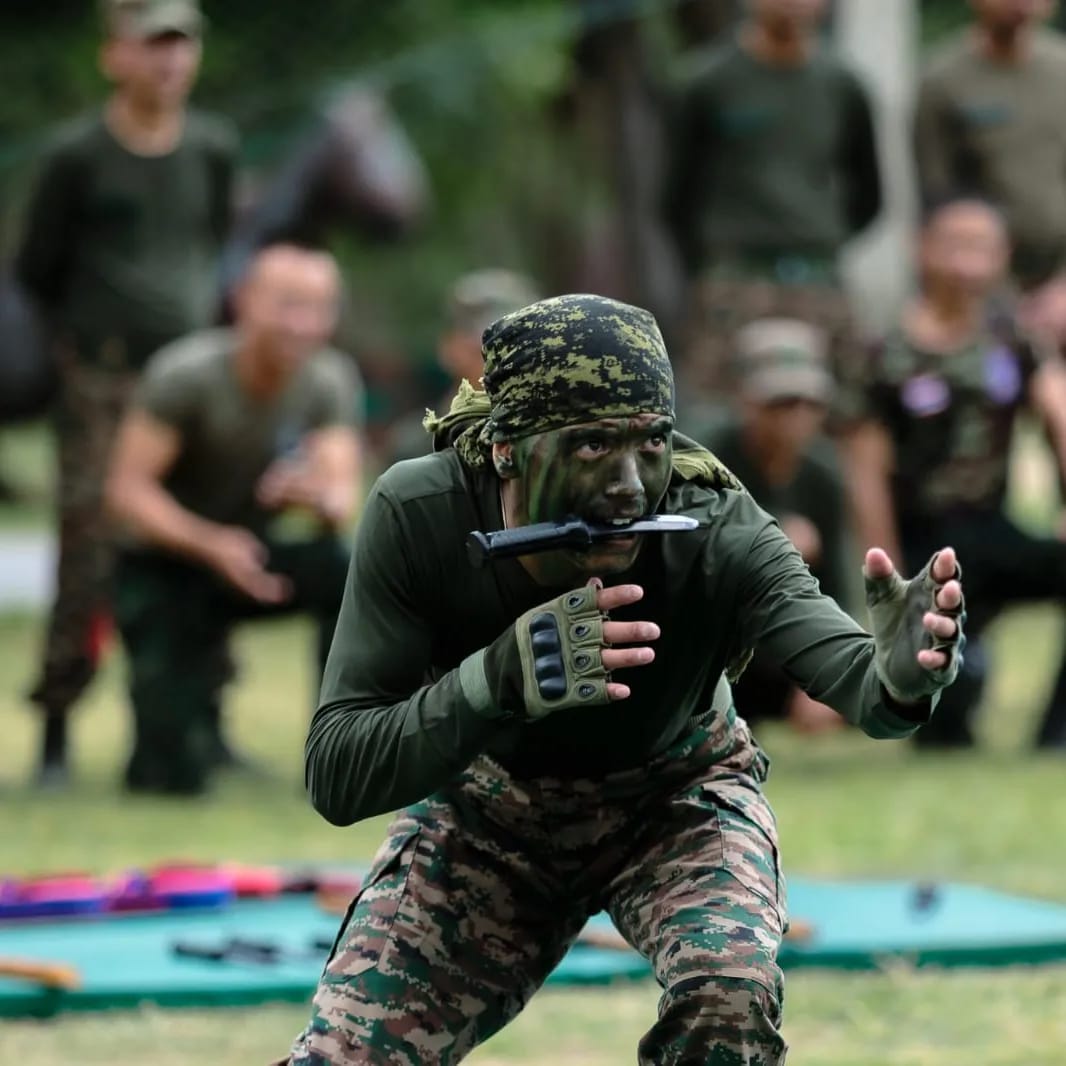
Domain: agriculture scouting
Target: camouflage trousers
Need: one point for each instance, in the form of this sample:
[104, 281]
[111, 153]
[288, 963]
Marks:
[722, 303]
[90, 404]
[479, 891]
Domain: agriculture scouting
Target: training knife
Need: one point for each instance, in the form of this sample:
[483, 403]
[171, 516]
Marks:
[571, 533]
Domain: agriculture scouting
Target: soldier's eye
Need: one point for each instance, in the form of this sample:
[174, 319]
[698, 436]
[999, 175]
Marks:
[591, 446]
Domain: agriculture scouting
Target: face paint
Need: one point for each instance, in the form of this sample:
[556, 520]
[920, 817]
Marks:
[608, 470]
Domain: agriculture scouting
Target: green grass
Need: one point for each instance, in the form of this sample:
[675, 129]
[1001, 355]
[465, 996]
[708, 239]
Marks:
[847, 805]
[26, 467]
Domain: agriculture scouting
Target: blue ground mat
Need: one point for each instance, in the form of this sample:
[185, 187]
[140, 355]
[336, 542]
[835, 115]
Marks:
[125, 961]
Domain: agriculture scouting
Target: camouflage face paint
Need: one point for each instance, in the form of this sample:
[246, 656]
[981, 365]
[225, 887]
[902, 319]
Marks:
[610, 469]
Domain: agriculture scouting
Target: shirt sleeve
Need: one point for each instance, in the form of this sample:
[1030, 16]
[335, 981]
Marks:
[861, 169]
[381, 736]
[341, 398]
[169, 393]
[688, 150]
[42, 260]
[933, 142]
[815, 643]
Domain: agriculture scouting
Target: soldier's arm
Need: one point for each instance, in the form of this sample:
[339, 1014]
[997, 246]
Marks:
[685, 174]
[815, 643]
[1047, 395]
[860, 166]
[868, 462]
[326, 476]
[145, 450]
[382, 736]
[42, 259]
[933, 142]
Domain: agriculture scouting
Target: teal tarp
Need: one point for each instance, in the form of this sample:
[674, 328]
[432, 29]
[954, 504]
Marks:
[125, 961]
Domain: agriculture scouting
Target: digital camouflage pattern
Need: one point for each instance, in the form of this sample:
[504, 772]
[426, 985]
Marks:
[456, 928]
[563, 361]
[90, 404]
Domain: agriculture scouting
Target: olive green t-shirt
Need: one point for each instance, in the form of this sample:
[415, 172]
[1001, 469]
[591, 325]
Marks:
[403, 705]
[122, 250]
[999, 131]
[770, 160]
[228, 438]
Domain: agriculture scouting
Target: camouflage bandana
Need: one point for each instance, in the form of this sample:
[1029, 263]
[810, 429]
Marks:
[561, 362]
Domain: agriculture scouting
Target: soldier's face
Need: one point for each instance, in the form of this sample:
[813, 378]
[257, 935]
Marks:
[1009, 16]
[158, 71]
[288, 305]
[785, 426]
[614, 469]
[964, 248]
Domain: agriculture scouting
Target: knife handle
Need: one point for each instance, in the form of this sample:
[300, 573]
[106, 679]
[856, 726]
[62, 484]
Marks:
[507, 543]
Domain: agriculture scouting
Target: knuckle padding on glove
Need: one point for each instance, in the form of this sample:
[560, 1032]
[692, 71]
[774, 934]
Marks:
[560, 645]
[896, 606]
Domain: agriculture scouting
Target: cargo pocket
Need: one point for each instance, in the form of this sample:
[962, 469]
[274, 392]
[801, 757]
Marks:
[750, 854]
[367, 928]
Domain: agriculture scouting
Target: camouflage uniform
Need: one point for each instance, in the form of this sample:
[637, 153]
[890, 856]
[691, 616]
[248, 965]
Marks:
[514, 831]
[456, 928]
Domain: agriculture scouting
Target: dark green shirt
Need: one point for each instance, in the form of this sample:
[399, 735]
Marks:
[770, 160]
[815, 492]
[122, 250]
[228, 438]
[999, 131]
[404, 703]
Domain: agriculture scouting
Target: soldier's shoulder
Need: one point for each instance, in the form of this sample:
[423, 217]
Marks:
[212, 132]
[329, 365]
[75, 138]
[1049, 46]
[948, 58]
[705, 67]
[198, 355]
[427, 476]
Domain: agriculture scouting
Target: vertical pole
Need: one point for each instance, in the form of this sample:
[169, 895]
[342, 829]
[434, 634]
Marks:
[880, 39]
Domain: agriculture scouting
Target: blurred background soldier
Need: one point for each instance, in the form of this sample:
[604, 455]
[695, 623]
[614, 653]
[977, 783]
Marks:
[774, 168]
[119, 250]
[272, 407]
[775, 445]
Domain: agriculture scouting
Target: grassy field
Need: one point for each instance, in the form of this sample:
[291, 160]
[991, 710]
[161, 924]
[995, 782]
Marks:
[846, 805]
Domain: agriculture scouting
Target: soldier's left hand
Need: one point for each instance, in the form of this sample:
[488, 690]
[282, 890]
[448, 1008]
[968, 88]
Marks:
[917, 624]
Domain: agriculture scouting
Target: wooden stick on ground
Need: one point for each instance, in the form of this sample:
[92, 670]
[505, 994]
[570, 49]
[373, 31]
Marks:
[45, 974]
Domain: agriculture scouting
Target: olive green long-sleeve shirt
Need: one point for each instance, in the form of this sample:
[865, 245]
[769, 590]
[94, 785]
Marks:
[405, 701]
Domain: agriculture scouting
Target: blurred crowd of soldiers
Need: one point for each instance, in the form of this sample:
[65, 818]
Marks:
[210, 441]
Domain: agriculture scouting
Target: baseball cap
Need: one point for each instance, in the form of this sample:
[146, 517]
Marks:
[152, 18]
[783, 358]
[478, 299]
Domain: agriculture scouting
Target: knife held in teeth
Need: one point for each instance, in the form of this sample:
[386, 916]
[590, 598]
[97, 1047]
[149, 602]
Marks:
[572, 533]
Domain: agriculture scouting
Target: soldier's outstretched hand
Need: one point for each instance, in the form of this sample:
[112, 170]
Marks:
[917, 625]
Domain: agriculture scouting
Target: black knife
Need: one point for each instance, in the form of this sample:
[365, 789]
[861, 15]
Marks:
[571, 533]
